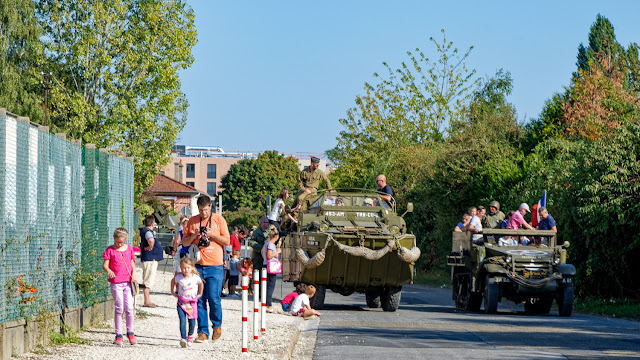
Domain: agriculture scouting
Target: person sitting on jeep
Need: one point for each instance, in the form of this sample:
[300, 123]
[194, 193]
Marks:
[465, 220]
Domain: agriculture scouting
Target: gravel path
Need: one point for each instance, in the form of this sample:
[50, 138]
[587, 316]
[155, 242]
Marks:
[158, 334]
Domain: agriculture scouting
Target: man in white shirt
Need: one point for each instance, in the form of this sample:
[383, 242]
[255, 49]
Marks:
[475, 226]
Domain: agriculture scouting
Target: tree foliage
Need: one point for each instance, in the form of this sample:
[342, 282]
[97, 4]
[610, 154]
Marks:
[249, 181]
[115, 64]
[411, 105]
[20, 56]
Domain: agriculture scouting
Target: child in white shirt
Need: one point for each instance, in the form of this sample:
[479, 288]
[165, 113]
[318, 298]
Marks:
[301, 305]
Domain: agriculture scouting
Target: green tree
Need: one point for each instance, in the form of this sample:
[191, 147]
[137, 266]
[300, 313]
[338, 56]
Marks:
[21, 52]
[116, 64]
[249, 181]
[478, 162]
[411, 105]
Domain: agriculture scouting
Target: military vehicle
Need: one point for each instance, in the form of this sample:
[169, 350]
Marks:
[167, 225]
[502, 268]
[350, 240]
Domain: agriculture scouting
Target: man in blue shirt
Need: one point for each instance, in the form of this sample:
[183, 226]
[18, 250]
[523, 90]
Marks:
[383, 189]
[547, 222]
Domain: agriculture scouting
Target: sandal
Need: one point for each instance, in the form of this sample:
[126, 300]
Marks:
[152, 305]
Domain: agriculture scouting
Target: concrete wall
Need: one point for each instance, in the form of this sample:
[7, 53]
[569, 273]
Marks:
[20, 336]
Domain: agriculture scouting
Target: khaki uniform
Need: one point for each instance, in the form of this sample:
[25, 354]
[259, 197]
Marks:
[309, 180]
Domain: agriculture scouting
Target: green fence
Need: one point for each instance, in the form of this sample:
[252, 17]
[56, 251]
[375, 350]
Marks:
[59, 204]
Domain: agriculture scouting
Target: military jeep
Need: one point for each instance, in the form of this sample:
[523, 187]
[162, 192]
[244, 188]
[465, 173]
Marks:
[503, 268]
[351, 240]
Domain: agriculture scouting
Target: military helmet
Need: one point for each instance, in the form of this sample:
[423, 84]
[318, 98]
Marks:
[495, 204]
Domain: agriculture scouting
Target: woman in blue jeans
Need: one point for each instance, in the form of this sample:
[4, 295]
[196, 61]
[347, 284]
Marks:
[270, 251]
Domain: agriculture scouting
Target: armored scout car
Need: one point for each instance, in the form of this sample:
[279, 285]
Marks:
[350, 240]
[534, 275]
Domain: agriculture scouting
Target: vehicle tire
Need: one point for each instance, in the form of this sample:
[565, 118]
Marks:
[317, 301]
[465, 299]
[373, 297]
[565, 299]
[538, 306]
[390, 298]
[491, 292]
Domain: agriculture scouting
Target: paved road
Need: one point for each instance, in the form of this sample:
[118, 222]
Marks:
[428, 326]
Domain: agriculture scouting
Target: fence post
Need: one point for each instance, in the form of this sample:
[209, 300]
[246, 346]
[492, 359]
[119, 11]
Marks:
[263, 293]
[245, 308]
[256, 302]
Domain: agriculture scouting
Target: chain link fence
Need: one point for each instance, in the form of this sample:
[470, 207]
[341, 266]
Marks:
[59, 205]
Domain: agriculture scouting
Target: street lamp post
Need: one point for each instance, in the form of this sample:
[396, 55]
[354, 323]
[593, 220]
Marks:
[45, 86]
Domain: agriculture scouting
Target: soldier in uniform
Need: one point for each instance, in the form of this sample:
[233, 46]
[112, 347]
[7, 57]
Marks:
[308, 183]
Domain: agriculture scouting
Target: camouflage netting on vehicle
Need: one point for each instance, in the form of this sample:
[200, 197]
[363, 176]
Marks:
[406, 255]
[59, 205]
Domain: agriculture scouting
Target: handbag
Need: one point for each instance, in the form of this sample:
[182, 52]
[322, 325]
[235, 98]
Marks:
[135, 288]
[274, 266]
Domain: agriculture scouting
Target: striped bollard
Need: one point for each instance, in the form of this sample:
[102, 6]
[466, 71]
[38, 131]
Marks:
[256, 303]
[263, 295]
[245, 310]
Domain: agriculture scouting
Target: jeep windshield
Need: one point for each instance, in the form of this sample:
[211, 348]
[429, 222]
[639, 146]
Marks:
[333, 199]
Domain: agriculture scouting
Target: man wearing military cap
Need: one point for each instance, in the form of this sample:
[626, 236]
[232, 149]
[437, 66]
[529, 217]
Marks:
[308, 183]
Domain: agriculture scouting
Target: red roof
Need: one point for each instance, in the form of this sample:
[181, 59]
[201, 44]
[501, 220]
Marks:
[166, 185]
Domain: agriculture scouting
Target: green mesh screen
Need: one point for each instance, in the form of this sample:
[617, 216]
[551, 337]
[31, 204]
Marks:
[59, 206]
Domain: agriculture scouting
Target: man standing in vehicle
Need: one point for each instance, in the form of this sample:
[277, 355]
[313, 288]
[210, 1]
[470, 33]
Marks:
[494, 218]
[547, 222]
[308, 183]
[209, 232]
[385, 191]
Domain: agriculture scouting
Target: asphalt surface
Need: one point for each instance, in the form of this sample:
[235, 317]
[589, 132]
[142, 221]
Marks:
[428, 326]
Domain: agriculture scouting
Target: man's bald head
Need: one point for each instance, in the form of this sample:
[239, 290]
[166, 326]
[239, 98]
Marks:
[381, 181]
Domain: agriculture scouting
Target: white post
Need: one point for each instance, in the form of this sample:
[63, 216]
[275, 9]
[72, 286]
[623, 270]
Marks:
[245, 310]
[220, 205]
[256, 302]
[263, 295]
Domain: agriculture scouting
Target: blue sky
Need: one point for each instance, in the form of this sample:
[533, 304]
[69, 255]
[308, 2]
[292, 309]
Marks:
[278, 75]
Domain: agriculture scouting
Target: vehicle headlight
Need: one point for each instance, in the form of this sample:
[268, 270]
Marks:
[557, 261]
[508, 259]
[394, 229]
[324, 227]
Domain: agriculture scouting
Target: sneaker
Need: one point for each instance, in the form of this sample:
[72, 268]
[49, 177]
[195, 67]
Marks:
[132, 339]
[234, 296]
[202, 338]
[118, 340]
[189, 340]
[183, 343]
[216, 333]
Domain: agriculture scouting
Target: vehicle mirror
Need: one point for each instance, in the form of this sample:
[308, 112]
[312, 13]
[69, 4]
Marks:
[409, 209]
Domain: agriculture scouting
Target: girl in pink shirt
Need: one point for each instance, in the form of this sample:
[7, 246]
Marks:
[120, 265]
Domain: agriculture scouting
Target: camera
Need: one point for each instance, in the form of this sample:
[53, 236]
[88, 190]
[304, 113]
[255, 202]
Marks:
[168, 249]
[204, 238]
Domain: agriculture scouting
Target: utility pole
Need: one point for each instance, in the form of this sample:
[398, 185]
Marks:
[45, 86]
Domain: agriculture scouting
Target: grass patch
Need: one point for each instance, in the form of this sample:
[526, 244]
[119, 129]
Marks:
[619, 308]
[141, 315]
[433, 278]
[70, 337]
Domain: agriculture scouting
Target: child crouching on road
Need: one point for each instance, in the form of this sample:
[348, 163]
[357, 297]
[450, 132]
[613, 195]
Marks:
[120, 265]
[286, 302]
[301, 307]
[187, 286]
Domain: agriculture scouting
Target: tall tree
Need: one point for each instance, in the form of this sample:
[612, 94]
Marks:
[116, 66]
[250, 180]
[20, 54]
[411, 105]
